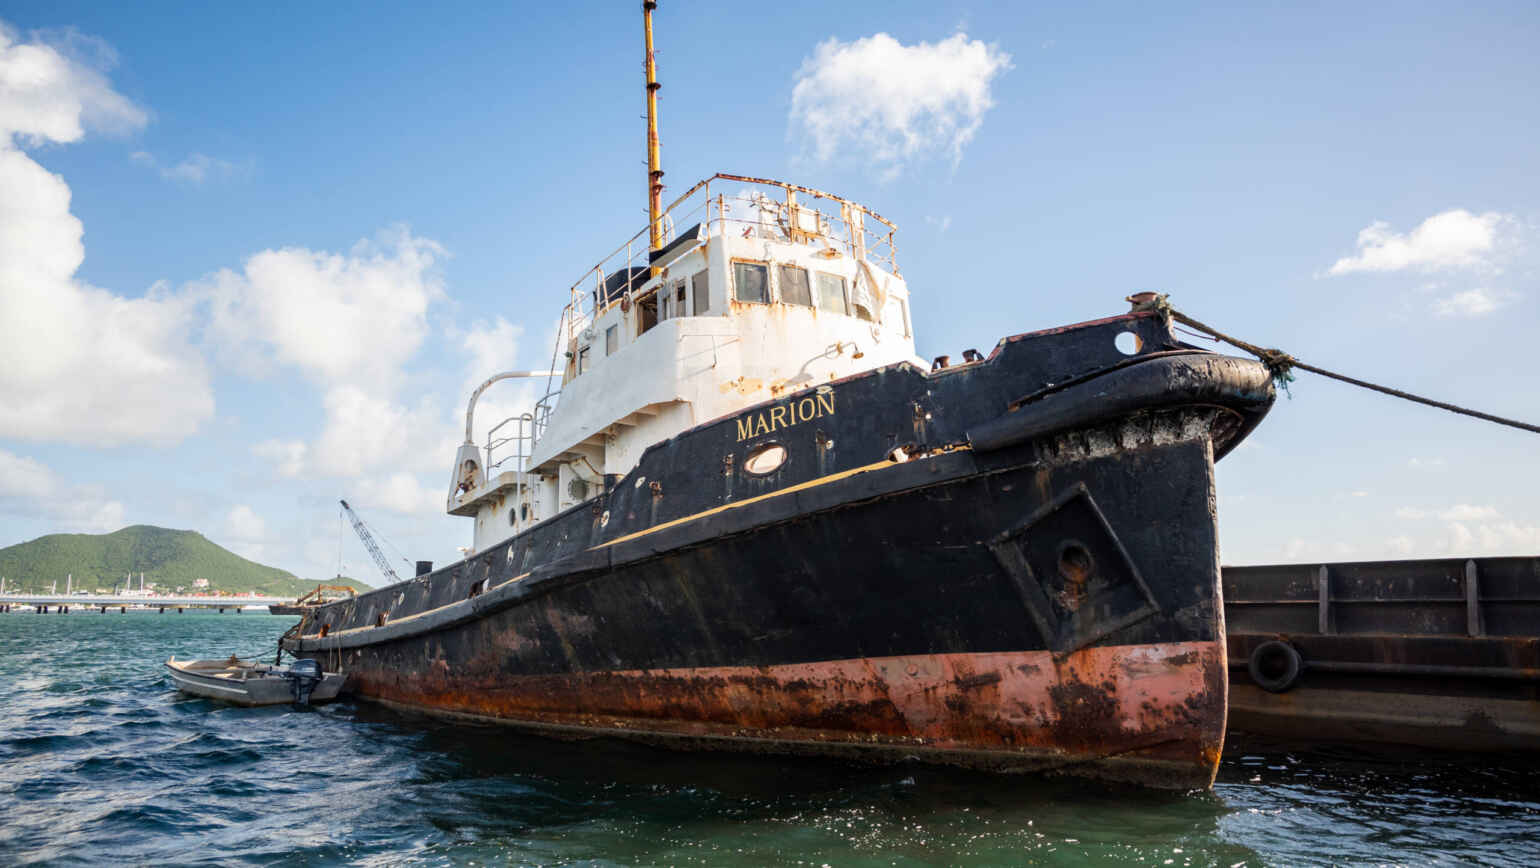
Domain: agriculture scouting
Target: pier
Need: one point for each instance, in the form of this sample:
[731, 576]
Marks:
[64, 603]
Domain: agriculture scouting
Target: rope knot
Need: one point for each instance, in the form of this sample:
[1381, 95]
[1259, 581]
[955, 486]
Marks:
[1281, 365]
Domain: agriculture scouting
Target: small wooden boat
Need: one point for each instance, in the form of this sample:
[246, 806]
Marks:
[246, 682]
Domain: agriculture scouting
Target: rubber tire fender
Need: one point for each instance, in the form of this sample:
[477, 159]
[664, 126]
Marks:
[1293, 665]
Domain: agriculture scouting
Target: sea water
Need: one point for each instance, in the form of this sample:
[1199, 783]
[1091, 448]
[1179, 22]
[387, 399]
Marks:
[103, 762]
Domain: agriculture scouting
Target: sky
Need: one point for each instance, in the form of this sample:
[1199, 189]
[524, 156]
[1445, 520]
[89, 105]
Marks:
[253, 260]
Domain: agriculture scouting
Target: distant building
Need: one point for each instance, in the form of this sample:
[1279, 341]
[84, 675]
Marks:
[200, 583]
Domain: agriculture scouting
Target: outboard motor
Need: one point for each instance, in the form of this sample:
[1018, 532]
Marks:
[303, 676]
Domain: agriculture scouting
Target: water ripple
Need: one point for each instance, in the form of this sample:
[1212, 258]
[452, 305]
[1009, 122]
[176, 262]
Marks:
[103, 763]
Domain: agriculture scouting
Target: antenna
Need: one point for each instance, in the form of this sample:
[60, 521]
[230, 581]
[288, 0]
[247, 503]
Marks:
[654, 160]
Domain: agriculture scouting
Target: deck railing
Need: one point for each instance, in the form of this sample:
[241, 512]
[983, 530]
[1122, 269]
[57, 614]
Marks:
[750, 207]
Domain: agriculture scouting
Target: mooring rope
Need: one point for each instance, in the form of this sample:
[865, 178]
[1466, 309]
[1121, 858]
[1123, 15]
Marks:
[1282, 365]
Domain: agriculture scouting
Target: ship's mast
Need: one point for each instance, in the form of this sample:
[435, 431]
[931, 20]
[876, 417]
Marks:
[654, 161]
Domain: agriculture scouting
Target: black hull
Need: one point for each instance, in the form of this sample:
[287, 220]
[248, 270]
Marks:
[971, 567]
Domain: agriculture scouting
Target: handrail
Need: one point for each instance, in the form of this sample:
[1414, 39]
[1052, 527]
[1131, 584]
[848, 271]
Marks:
[470, 408]
[587, 302]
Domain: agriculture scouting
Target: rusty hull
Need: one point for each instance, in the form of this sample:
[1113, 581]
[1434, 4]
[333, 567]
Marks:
[1151, 714]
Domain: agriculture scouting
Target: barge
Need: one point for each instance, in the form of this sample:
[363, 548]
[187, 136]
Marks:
[746, 516]
[1438, 653]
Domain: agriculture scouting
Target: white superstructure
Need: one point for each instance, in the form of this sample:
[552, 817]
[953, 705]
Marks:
[771, 289]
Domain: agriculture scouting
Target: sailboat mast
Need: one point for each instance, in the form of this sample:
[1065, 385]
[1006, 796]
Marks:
[654, 161]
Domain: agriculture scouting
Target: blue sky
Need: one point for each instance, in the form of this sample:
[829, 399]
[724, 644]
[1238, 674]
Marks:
[252, 260]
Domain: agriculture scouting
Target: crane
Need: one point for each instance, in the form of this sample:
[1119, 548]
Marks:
[369, 543]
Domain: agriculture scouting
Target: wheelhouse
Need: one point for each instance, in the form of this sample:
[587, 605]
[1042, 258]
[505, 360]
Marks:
[768, 288]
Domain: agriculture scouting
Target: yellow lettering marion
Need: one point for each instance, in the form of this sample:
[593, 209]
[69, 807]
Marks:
[776, 418]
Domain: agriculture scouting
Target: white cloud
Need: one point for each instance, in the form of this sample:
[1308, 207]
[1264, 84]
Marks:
[195, 168]
[491, 349]
[400, 492]
[1298, 548]
[49, 93]
[1458, 512]
[1427, 463]
[351, 323]
[288, 456]
[367, 431]
[243, 523]
[1473, 302]
[338, 318]
[884, 103]
[1467, 530]
[23, 477]
[942, 224]
[245, 533]
[30, 488]
[77, 363]
[1466, 512]
[1452, 238]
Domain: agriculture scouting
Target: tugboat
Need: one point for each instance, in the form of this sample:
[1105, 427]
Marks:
[745, 516]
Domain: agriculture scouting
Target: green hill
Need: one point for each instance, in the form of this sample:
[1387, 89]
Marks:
[168, 558]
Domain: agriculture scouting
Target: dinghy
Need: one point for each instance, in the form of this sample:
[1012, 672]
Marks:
[246, 682]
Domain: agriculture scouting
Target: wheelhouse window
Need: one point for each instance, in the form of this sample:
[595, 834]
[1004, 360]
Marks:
[751, 282]
[794, 288]
[646, 313]
[702, 291]
[582, 360]
[831, 293]
[671, 301]
[611, 340]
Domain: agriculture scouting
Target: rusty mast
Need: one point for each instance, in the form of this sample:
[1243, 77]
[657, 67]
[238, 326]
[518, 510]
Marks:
[654, 160]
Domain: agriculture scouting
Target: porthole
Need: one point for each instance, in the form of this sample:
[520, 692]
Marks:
[765, 460]
[1128, 343]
